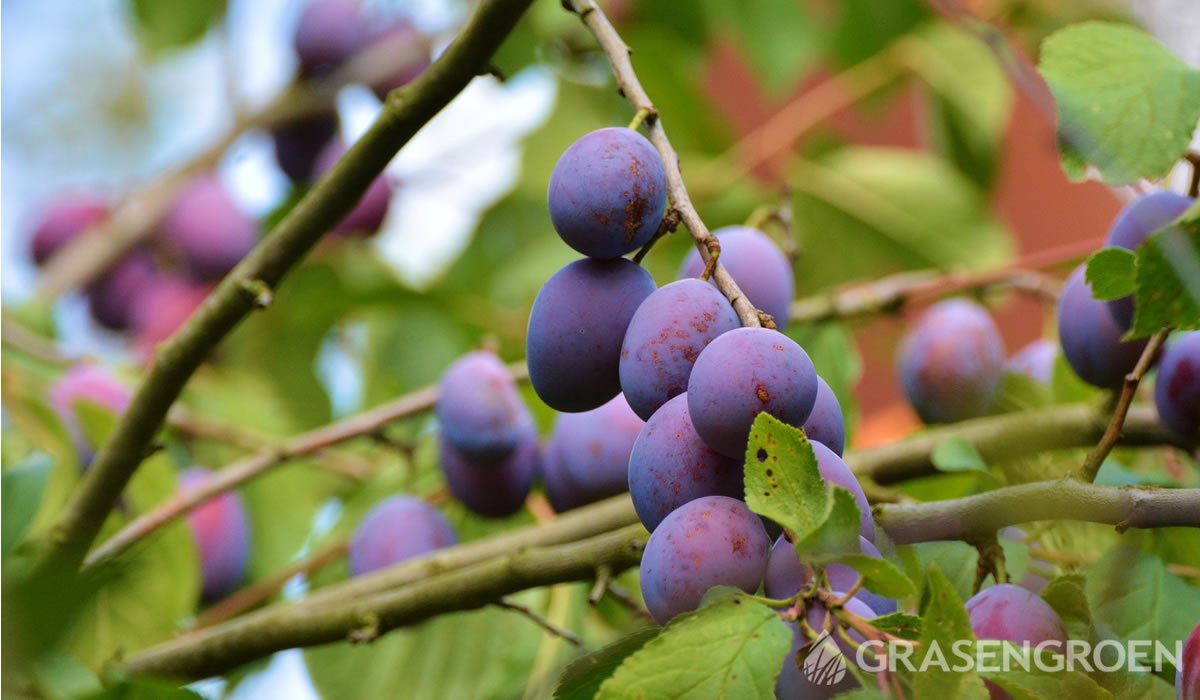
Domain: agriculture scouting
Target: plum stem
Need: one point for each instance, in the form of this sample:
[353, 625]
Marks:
[540, 620]
[617, 51]
[1095, 459]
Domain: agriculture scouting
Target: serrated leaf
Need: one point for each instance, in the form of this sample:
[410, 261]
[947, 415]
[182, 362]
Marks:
[955, 560]
[1126, 105]
[21, 490]
[1067, 596]
[1168, 278]
[879, 575]
[943, 623]
[1111, 273]
[783, 482]
[734, 648]
[582, 678]
[900, 624]
[1134, 594]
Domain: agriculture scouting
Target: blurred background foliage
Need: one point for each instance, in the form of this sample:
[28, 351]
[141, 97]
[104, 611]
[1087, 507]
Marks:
[922, 155]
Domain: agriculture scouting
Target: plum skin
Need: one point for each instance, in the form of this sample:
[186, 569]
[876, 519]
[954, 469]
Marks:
[664, 338]
[589, 451]
[1090, 338]
[298, 142]
[396, 529]
[786, 575]
[328, 32]
[607, 193]
[221, 529]
[745, 372]
[759, 267]
[1177, 388]
[826, 424]
[90, 383]
[1187, 676]
[1035, 360]
[576, 327]
[714, 540]
[1011, 613]
[63, 220]
[1133, 225]
[670, 465]
[479, 408]
[208, 229]
[950, 363]
[492, 490]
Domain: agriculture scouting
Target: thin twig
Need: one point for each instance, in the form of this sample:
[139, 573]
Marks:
[1091, 465]
[539, 620]
[603, 579]
[618, 56]
[1193, 159]
[368, 423]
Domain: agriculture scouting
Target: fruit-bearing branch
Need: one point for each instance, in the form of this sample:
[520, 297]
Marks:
[618, 57]
[249, 285]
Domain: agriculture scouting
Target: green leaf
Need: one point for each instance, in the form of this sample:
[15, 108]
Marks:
[901, 624]
[879, 575]
[1134, 594]
[971, 100]
[1126, 105]
[896, 209]
[21, 490]
[61, 676]
[487, 654]
[1111, 273]
[733, 648]
[1168, 278]
[864, 27]
[1036, 684]
[954, 560]
[956, 455]
[943, 623]
[1066, 594]
[783, 483]
[168, 24]
[582, 678]
[142, 689]
[776, 36]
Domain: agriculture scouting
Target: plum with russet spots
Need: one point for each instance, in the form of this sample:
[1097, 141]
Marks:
[665, 337]
[576, 327]
[745, 372]
[608, 193]
[670, 465]
[711, 541]
[950, 363]
[759, 267]
[399, 528]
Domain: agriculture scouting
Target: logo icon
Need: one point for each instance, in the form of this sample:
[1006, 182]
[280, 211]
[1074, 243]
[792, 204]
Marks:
[824, 664]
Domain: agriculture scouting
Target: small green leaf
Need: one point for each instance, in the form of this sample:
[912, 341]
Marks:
[1036, 684]
[1066, 595]
[782, 479]
[879, 575]
[1168, 278]
[901, 624]
[582, 678]
[1126, 105]
[838, 533]
[943, 623]
[734, 648]
[21, 490]
[168, 24]
[1111, 273]
[957, 455]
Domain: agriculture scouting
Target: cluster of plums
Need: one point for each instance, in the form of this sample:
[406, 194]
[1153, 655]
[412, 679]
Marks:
[952, 361]
[220, 527]
[152, 290]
